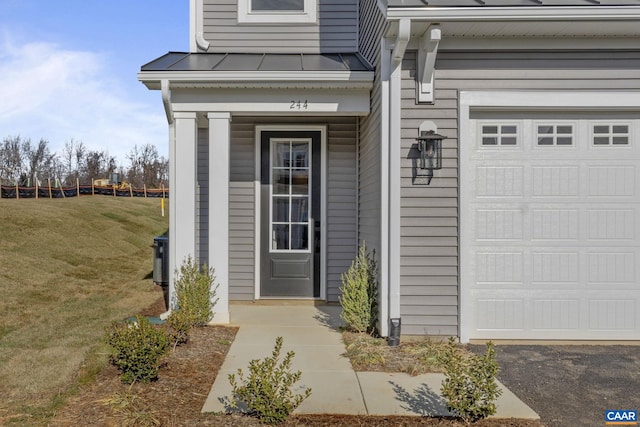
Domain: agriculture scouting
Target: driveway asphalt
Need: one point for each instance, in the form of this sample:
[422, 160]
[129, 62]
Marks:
[571, 385]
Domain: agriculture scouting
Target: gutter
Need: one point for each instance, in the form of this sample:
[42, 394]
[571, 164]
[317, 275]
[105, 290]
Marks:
[534, 13]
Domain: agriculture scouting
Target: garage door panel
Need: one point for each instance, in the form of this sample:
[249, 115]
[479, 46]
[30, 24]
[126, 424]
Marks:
[550, 232]
[612, 181]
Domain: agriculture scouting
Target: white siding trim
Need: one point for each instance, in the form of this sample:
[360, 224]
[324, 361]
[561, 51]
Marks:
[219, 177]
[395, 188]
[246, 15]
[509, 100]
[182, 234]
[385, 63]
[323, 200]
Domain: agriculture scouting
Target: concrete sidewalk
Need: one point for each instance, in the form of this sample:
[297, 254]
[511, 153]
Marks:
[311, 332]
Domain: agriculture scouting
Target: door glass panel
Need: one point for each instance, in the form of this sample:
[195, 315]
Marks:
[280, 209]
[300, 155]
[299, 209]
[290, 194]
[300, 178]
[299, 236]
[281, 181]
[280, 236]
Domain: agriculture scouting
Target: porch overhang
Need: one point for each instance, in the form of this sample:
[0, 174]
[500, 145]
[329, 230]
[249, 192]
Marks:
[296, 84]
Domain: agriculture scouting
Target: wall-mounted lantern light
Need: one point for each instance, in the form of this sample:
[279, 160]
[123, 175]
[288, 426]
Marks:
[430, 149]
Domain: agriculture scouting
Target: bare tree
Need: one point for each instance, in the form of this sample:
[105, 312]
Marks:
[11, 158]
[73, 159]
[40, 161]
[146, 167]
[98, 164]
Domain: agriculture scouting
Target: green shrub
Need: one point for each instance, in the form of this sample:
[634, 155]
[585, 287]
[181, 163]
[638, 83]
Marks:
[267, 389]
[470, 387]
[194, 297]
[138, 349]
[359, 293]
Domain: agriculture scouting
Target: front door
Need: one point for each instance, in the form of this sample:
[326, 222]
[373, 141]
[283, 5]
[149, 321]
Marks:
[290, 214]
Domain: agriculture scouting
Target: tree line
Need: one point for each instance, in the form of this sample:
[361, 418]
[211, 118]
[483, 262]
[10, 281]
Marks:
[24, 162]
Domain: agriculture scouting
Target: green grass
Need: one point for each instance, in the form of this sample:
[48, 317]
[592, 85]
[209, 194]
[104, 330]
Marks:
[67, 269]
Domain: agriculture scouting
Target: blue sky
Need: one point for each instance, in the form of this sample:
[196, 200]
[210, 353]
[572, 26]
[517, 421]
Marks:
[68, 70]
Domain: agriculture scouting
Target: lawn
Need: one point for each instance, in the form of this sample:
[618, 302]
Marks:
[68, 267]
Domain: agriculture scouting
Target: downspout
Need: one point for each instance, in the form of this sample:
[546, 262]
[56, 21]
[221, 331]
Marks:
[168, 109]
[201, 42]
[394, 193]
[166, 100]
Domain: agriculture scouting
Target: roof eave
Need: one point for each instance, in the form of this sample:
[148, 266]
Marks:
[262, 79]
[520, 13]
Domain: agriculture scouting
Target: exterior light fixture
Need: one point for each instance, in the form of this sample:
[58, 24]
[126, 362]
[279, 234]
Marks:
[430, 149]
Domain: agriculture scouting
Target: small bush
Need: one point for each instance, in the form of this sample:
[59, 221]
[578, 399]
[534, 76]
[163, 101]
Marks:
[267, 389]
[195, 297]
[359, 293]
[138, 349]
[470, 387]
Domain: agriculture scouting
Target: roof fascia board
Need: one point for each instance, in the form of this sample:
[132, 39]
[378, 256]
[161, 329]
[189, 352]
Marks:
[540, 43]
[521, 13]
[261, 76]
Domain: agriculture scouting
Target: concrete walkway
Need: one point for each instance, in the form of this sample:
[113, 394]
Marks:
[311, 332]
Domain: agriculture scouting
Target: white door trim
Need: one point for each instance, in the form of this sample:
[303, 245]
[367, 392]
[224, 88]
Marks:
[323, 200]
[509, 100]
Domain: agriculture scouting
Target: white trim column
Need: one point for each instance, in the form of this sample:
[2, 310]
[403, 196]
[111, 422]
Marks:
[182, 183]
[219, 160]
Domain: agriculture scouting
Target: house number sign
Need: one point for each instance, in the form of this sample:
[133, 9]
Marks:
[299, 105]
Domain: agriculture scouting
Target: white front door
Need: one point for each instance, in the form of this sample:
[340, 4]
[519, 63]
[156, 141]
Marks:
[550, 218]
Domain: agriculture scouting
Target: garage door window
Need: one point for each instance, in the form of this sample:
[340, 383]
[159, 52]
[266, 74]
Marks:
[495, 135]
[550, 135]
[610, 134]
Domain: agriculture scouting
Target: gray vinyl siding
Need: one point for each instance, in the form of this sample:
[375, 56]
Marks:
[341, 200]
[429, 214]
[202, 197]
[336, 31]
[369, 148]
[242, 211]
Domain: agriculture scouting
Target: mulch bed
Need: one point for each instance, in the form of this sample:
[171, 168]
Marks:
[178, 395]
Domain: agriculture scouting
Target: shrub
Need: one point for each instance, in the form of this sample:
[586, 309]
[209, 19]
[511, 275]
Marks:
[138, 349]
[470, 387]
[359, 293]
[267, 389]
[195, 299]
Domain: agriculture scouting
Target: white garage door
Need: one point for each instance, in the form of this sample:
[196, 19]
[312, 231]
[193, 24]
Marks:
[550, 223]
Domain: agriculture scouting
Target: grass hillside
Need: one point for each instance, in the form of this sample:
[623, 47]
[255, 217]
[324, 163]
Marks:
[67, 269]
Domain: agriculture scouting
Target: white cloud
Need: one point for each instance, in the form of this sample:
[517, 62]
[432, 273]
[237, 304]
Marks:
[57, 94]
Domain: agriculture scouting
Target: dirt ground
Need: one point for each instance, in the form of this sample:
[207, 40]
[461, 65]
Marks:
[571, 385]
[177, 397]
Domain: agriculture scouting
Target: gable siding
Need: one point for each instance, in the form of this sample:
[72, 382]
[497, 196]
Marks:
[429, 243]
[336, 31]
[372, 25]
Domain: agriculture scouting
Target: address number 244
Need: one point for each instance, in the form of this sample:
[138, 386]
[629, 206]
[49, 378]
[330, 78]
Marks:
[299, 105]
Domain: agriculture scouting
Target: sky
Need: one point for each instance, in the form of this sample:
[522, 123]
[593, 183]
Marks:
[68, 71]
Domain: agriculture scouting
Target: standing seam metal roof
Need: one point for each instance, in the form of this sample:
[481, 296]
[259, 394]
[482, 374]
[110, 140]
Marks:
[182, 61]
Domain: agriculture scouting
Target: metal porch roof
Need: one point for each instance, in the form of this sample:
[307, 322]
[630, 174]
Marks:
[226, 62]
